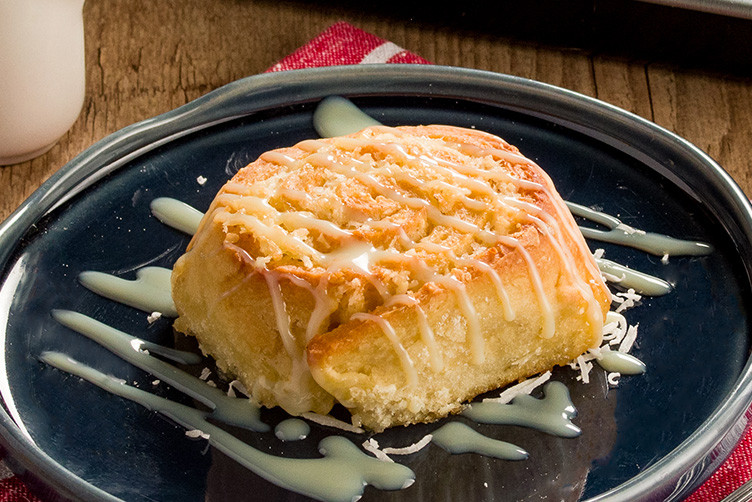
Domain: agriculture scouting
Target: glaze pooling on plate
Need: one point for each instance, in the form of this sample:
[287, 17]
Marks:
[601, 156]
[292, 429]
[552, 414]
[150, 291]
[457, 438]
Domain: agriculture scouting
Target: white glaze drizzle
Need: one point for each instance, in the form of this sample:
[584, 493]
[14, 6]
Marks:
[641, 282]
[274, 233]
[366, 256]
[369, 255]
[484, 267]
[296, 353]
[620, 233]
[240, 412]
[426, 332]
[457, 438]
[323, 305]
[340, 476]
[512, 203]
[298, 475]
[337, 116]
[150, 291]
[551, 414]
[437, 217]
[620, 362]
[176, 214]
[292, 429]
[436, 163]
[407, 364]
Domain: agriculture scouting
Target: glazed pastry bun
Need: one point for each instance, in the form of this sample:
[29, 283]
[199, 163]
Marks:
[398, 271]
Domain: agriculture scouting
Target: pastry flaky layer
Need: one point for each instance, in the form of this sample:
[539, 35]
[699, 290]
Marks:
[397, 271]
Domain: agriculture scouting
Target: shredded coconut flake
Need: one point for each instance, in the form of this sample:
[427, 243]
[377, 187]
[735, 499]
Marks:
[630, 294]
[629, 339]
[237, 385]
[413, 448]
[261, 261]
[615, 327]
[201, 180]
[584, 367]
[613, 378]
[153, 317]
[205, 373]
[599, 253]
[371, 445]
[330, 421]
[524, 387]
[624, 306]
[616, 333]
[664, 259]
[626, 300]
[155, 382]
[196, 433]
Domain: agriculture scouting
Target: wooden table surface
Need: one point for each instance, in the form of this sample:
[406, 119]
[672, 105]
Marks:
[144, 58]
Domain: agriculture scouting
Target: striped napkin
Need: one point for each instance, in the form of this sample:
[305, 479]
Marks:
[343, 44]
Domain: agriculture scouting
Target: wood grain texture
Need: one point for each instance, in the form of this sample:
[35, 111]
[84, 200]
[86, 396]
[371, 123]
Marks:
[145, 58]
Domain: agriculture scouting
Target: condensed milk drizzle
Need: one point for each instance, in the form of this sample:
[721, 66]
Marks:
[364, 173]
[344, 470]
[407, 364]
[457, 438]
[619, 233]
[426, 332]
[283, 326]
[641, 282]
[364, 257]
[230, 410]
[340, 476]
[548, 414]
[150, 291]
[552, 414]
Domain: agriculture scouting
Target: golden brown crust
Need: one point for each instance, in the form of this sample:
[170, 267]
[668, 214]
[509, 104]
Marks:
[302, 256]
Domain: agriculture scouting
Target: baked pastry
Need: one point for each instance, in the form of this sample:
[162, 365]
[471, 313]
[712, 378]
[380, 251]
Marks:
[397, 271]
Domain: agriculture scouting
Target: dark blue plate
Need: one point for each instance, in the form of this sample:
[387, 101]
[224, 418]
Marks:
[655, 437]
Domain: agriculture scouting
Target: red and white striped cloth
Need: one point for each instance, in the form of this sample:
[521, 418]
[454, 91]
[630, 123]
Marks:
[343, 44]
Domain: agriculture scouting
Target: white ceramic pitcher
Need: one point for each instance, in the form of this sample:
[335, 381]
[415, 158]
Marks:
[42, 74]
